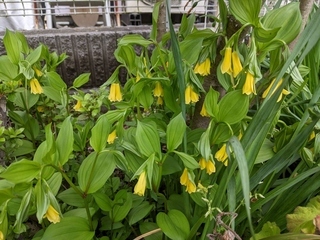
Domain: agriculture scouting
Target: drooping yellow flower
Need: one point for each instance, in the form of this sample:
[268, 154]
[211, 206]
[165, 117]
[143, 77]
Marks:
[52, 215]
[140, 187]
[78, 105]
[211, 168]
[226, 63]
[138, 77]
[40, 108]
[236, 64]
[159, 101]
[158, 90]
[191, 187]
[35, 86]
[284, 91]
[312, 136]
[190, 95]
[115, 93]
[221, 155]
[203, 68]
[112, 136]
[249, 85]
[204, 112]
[184, 177]
[1, 236]
[37, 71]
[202, 163]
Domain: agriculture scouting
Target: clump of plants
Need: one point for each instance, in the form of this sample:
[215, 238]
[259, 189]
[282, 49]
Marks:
[130, 162]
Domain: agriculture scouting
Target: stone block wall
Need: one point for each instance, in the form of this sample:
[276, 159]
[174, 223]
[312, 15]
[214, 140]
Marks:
[88, 50]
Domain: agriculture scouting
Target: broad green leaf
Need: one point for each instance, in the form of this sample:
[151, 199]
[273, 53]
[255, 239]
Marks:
[155, 14]
[122, 205]
[269, 229]
[263, 34]
[35, 55]
[132, 39]
[21, 171]
[64, 142]
[81, 80]
[22, 212]
[42, 201]
[233, 107]
[266, 152]
[69, 228]
[139, 212]
[13, 46]
[56, 81]
[220, 133]
[26, 99]
[8, 70]
[175, 225]
[103, 201]
[289, 26]
[27, 147]
[211, 102]
[188, 161]
[95, 170]
[54, 183]
[52, 93]
[301, 220]
[125, 54]
[79, 212]
[204, 144]
[100, 133]
[175, 132]
[71, 197]
[147, 138]
[246, 11]
[191, 56]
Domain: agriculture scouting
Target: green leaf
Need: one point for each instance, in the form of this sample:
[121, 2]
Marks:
[246, 11]
[147, 138]
[188, 161]
[56, 81]
[100, 133]
[122, 205]
[233, 107]
[175, 225]
[95, 170]
[64, 142]
[103, 201]
[52, 93]
[139, 212]
[21, 171]
[13, 46]
[69, 228]
[191, 56]
[175, 132]
[148, 227]
[8, 70]
[35, 55]
[54, 182]
[301, 220]
[71, 197]
[211, 102]
[131, 39]
[155, 14]
[269, 229]
[42, 201]
[25, 148]
[26, 99]
[81, 80]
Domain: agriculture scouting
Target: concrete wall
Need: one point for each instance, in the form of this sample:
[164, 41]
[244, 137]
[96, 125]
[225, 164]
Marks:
[88, 50]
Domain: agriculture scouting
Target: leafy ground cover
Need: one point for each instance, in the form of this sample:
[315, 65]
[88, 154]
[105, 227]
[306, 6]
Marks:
[129, 162]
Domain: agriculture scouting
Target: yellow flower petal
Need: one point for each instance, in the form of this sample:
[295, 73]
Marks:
[194, 96]
[226, 63]
[38, 72]
[52, 215]
[236, 63]
[211, 168]
[140, 187]
[35, 86]
[284, 91]
[202, 163]
[115, 93]
[138, 77]
[187, 95]
[249, 85]
[184, 177]
[203, 68]
[191, 187]
[159, 101]
[40, 108]
[78, 105]
[112, 136]
[1, 236]
[221, 155]
[158, 90]
[204, 112]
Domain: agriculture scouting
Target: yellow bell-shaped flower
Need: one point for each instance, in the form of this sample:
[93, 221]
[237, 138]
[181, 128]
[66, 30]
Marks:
[1, 236]
[159, 101]
[52, 215]
[284, 91]
[226, 63]
[35, 86]
[158, 90]
[78, 105]
[202, 163]
[190, 95]
[221, 155]
[249, 85]
[191, 187]
[236, 64]
[203, 68]
[210, 167]
[140, 187]
[112, 136]
[115, 93]
[184, 177]
[204, 112]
